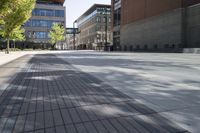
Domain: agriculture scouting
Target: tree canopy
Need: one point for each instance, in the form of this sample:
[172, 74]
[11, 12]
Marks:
[17, 34]
[14, 15]
[4, 9]
[56, 34]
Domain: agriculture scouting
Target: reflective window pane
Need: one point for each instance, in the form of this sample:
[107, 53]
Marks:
[48, 12]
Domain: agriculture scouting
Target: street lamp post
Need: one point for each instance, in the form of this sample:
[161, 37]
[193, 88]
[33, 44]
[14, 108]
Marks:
[74, 34]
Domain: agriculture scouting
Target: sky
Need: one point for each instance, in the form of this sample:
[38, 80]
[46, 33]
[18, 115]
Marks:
[75, 8]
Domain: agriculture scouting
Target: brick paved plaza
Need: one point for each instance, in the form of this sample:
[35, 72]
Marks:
[50, 95]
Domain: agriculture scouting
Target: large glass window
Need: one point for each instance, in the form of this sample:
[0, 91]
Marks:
[47, 12]
[87, 18]
[117, 17]
[40, 23]
[59, 13]
[104, 10]
[28, 23]
[40, 35]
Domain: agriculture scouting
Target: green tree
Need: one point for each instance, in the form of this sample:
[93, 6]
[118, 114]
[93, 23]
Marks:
[17, 35]
[19, 14]
[56, 34]
[4, 9]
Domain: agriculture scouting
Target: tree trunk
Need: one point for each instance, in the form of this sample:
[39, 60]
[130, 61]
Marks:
[54, 45]
[7, 49]
[14, 45]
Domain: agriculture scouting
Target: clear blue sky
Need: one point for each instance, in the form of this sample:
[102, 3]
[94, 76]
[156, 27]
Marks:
[75, 8]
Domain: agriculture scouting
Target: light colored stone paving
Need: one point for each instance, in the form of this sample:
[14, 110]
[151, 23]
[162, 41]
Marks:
[167, 83]
[5, 58]
[51, 95]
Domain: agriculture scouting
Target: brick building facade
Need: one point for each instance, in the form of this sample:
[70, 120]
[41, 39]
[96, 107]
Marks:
[155, 25]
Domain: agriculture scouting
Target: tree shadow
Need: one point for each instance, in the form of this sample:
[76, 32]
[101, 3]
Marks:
[167, 82]
[51, 94]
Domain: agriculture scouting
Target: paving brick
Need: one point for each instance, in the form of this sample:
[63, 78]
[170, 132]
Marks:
[118, 126]
[90, 114]
[30, 122]
[80, 128]
[136, 125]
[2, 123]
[129, 126]
[9, 125]
[32, 107]
[71, 129]
[15, 110]
[108, 126]
[74, 115]
[90, 127]
[50, 130]
[60, 129]
[100, 127]
[24, 108]
[39, 106]
[83, 115]
[47, 105]
[39, 121]
[39, 131]
[49, 121]
[72, 101]
[57, 117]
[20, 122]
[66, 116]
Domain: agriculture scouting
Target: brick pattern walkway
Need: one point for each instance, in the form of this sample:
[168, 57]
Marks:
[50, 96]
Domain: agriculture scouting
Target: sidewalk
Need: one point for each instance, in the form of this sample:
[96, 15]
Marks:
[50, 95]
[5, 58]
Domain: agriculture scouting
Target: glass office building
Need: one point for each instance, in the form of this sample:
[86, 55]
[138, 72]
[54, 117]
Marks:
[43, 16]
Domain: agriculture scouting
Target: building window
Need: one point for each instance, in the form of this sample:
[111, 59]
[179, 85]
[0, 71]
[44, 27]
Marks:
[59, 13]
[40, 35]
[47, 12]
[98, 28]
[98, 19]
[104, 19]
[28, 24]
[40, 23]
[109, 19]
[117, 17]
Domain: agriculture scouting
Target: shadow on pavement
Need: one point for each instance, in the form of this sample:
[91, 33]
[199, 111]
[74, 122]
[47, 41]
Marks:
[50, 95]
